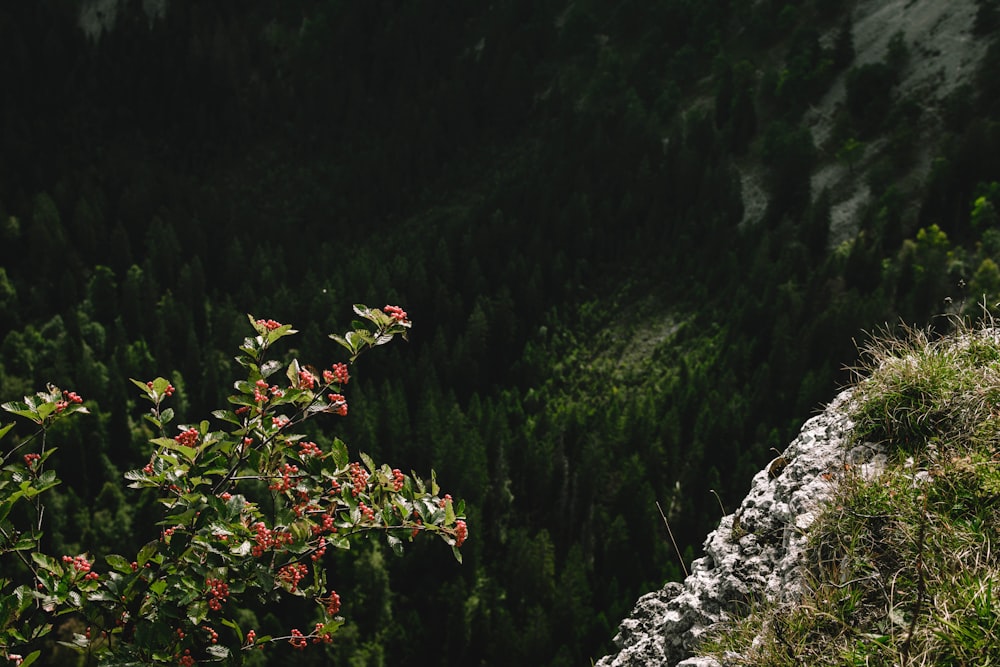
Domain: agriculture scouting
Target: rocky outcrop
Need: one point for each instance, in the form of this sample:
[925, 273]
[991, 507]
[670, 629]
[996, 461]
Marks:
[755, 553]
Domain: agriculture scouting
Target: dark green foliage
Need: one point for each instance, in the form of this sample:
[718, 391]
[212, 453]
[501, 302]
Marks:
[869, 96]
[987, 17]
[551, 191]
[790, 154]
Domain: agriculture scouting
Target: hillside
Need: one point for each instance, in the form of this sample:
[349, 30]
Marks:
[637, 241]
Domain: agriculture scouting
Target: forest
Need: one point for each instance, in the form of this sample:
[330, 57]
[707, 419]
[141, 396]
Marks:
[551, 190]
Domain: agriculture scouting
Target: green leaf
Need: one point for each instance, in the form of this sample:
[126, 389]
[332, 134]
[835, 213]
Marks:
[47, 563]
[5, 507]
[269, 368]
[227, 416]
[146, 553]
[332, 625]
[5, 429]
[31, 658]
[339, 453]
[449, 513]
[118, 563]
[217, 651]
[22, 410]
[26, 542]
[197, 611]
[187, 452]
[369, 463]
[354, 341]
[160, 385]
[458, 553]
[338, 541]
[342, 341]
[236, 628]
[142, 385]
[167, 415]
[395, 543]
[292, 373]
[102, 596]
[241, 549]
[280, 332]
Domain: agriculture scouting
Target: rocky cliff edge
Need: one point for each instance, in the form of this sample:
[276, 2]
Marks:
[756, 553]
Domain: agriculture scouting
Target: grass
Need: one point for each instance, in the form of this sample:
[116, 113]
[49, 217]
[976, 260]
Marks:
[904, 568]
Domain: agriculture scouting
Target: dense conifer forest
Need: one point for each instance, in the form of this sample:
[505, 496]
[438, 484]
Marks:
[552, 190]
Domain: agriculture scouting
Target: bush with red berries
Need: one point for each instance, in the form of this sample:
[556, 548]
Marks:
[250, 507]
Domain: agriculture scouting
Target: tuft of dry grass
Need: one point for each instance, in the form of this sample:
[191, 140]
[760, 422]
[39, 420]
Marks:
[903, 568]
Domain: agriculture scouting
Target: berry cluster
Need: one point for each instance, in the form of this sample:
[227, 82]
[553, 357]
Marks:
[461, 532]
[309, 449]
[270, 325]
[31, 459]
[359, 478]
[297, 640]
[251, 637]
[320, 549]
[266, 538]
[306, 380]
[188, 438]
[292, 574]
[367, 512]
[288, 473]
[396, 313]
[260, 392]
[398, 479]
[325, 525]
[81, 564]
[218, 592]
[338, 403]
[321, 637]
[68, 397]
[332, 603]
[338, 374]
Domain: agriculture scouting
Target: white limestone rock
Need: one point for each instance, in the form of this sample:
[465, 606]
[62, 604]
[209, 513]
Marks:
[755, 553]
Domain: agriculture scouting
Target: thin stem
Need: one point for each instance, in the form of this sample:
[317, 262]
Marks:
[672, 540]
[39, 507]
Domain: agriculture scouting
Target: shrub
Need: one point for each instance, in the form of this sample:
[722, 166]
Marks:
[250, 507]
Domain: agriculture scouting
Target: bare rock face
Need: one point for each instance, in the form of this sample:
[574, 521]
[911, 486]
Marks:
[755, 553]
